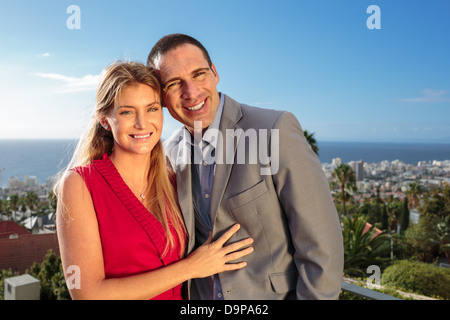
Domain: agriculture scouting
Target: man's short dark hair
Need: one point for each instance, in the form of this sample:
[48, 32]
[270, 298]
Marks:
[173, 41]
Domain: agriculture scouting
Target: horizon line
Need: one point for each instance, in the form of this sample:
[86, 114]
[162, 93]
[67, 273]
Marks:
[418, 141]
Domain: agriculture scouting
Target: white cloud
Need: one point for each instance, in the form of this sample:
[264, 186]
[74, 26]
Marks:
[47, 54]
[73, 84]
[430, 95]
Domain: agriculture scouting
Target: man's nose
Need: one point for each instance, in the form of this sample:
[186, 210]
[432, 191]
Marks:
[190, 90]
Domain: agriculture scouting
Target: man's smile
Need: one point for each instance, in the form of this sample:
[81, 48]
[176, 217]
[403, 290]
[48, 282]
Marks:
[196, 107]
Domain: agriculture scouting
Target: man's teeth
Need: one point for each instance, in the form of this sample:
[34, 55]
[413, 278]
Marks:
[197, 107]
[141, 136]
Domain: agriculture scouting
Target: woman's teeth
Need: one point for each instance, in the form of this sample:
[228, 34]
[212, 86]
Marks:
[197, 107]
[136, 136]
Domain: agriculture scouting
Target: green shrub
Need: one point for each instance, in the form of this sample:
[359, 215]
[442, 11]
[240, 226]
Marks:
[51, 276]
[4, 274]
[419, 277]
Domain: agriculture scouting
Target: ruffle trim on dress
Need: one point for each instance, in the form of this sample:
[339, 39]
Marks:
[146, 219]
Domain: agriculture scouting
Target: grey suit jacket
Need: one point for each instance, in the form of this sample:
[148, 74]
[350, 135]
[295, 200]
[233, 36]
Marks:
[288, 210]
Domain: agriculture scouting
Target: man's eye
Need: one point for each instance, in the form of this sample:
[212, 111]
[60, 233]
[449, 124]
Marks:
[199, 74]
[172, 85]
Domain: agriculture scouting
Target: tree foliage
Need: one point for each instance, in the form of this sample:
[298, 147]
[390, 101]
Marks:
[363, 248]
[312, 141]
[431, 236]
[345, 178]
[51, 277]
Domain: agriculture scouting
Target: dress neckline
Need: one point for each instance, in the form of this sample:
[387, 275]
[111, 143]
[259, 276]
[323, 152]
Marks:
[145, 218]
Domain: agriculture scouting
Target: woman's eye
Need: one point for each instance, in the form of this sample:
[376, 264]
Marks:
[124, 112]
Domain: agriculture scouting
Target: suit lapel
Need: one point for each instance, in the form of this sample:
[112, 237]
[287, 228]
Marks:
[184, 186]
[225, 153]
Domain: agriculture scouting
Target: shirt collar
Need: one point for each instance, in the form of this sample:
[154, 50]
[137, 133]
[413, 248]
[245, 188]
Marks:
[213, 129]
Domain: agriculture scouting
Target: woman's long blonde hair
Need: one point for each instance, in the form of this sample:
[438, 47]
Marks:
[97, 141]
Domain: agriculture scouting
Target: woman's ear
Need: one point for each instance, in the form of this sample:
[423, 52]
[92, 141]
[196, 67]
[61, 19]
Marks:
[105, 124]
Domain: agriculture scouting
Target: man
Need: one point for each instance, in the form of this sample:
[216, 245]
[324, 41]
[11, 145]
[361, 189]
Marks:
[252, 166]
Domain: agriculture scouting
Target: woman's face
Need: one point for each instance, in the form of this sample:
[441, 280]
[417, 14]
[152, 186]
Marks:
[136, 120]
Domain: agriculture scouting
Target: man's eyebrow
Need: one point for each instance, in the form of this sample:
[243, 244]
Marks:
[201, 69]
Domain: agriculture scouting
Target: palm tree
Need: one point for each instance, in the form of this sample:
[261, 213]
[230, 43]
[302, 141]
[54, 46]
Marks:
[14, 203]
[384, 218]
[346, 179]
[52, 200]
[22, 206]
[363, 247]
[415, 190]
[31, 200]
[405, 216]
[312, 141]
[5, 207]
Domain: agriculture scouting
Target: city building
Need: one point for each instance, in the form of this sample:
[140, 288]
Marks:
[19, 248]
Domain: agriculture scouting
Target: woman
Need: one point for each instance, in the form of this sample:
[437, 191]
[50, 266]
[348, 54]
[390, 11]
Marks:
[118, 219]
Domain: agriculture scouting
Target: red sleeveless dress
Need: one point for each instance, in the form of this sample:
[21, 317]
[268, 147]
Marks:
[133, 240]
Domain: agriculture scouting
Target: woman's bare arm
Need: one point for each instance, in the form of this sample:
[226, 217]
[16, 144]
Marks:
[80, 245]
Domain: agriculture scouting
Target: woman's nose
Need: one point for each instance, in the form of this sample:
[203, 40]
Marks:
[139, 121]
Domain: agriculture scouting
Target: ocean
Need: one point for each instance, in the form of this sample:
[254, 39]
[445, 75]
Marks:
[44, 158]
[374, 152]
[39, 158]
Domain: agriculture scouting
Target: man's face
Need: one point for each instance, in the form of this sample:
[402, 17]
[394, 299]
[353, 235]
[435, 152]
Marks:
[189, 86]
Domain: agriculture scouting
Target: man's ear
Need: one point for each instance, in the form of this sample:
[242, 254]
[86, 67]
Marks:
[216, 75]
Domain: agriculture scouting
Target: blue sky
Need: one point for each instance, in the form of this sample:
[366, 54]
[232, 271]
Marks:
[317, 59]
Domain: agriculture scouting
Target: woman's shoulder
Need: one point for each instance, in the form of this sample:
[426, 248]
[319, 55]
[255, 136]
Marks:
[82, 170]
[80, 177]
[73, 179]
